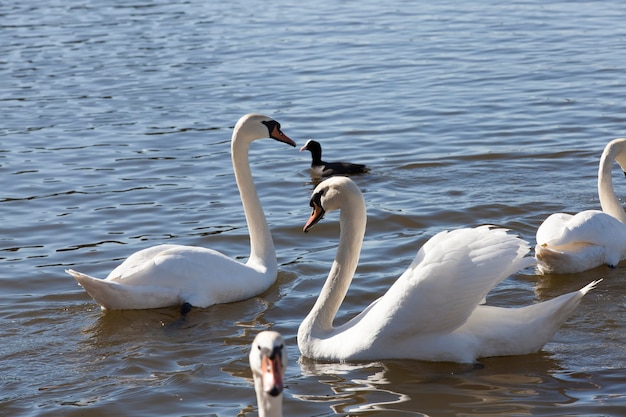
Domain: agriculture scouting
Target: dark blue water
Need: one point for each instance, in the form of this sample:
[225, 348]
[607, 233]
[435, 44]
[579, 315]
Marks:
[114, 136]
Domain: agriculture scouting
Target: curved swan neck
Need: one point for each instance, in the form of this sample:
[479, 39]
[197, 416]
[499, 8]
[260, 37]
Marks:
[608, 200]
[262, 251]
[352, 220]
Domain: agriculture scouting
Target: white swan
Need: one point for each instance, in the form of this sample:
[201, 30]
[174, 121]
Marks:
[568, 244]
[168, 275]
[432, 311]
[268, 361]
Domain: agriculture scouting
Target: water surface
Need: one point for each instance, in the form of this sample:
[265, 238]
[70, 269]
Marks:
[116, 120]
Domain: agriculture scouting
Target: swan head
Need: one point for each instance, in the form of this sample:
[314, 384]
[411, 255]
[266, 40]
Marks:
[268, 361]
[619, 146]
[330, 195]
[257, 126]
[616, 149]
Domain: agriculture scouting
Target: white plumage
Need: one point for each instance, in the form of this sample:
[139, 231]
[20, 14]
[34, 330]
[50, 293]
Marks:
[168, 275]
[433, 311]
[268, 362]
[574, 243]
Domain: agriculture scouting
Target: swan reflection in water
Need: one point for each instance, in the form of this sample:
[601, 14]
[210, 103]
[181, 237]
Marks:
[496, 386]
[353, 386]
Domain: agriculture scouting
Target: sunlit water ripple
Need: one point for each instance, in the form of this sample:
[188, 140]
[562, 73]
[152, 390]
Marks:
[116, 119]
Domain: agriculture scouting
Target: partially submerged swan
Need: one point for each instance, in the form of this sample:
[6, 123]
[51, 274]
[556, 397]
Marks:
[268, 361]
[168, 275]
[327, 169]
[433, 311]
[574, 243]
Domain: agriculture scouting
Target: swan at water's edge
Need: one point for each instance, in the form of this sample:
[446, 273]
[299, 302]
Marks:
[268, 361]
[168, 275]
[433, 312]
[568, 243]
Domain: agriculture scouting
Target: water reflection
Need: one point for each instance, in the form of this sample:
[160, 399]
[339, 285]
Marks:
[355, 387]
[495, 387]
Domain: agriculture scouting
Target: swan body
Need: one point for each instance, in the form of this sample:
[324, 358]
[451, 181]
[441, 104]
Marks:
[327, 169]
[268, 361]
[574, 243]
[435, 310]
[167, 275]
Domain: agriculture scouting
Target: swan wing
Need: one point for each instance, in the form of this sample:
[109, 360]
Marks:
[139, 261]
[115, 296]
[163, 265]
[449, 277]
[552, 227]
[205, 277]
[167, 275]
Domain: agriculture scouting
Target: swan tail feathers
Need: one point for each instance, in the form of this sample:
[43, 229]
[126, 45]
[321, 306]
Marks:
[549, 316]
[592, 285]
[520, 331]
[111, 295]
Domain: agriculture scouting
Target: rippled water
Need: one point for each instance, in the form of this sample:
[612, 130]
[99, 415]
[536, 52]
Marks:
[116, 119]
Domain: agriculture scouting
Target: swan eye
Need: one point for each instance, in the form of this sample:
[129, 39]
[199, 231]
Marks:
[271, 125]
[316, 199]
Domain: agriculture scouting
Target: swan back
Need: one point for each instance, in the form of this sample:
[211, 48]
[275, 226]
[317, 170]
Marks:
[268, 361]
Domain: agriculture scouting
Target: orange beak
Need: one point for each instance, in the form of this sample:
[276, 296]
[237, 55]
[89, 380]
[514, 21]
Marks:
[281, 137]
[272, 376]
[316, 215]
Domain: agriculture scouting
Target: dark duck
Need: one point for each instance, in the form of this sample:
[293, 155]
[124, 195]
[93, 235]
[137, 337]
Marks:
[328, 169]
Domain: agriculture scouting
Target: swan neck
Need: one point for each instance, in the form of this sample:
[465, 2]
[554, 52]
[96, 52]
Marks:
[352, 222]
[262, 253]
[608, 200]
[268, 406]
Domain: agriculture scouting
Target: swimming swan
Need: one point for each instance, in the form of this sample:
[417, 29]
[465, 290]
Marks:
[168, 275]
[268, 361]
[568, 243]
[433, 311]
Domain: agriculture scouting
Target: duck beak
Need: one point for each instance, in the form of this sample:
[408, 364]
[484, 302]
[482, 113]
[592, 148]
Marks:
[306, 146]
[272, 376]
[317, 214]
[281, 137]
